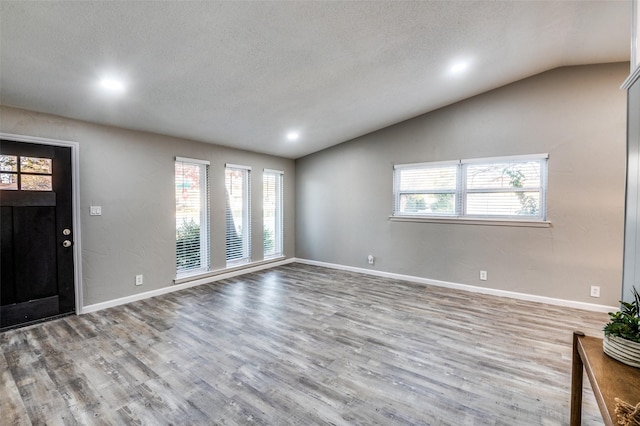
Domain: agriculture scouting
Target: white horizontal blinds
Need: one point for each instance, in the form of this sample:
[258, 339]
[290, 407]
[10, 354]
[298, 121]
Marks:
[426, 189]
[505, 187]
[192, 217]
[272, 216]
[238, 214]
[501, 187]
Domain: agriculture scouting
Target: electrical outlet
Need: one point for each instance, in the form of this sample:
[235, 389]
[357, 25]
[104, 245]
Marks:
[139, 279]
[595, 291]
[483, 275]
[371, 259]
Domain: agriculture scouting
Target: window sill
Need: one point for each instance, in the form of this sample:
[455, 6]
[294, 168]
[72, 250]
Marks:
[206, 274]
[474, 221]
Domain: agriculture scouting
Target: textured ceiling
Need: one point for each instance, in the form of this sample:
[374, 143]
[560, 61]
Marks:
[243, 74]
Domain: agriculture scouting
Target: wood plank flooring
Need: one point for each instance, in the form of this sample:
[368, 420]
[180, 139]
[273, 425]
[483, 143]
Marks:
[299, 345]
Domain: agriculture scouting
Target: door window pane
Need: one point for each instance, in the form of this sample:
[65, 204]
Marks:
[35, 165]
[35, 183]
[33, 173]
[8, 181]
[8, 163]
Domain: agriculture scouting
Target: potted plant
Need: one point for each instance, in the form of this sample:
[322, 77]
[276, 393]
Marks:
[622, 333]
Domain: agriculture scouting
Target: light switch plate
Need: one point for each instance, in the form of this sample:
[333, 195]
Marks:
[95, 211]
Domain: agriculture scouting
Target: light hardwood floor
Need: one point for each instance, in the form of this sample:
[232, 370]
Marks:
[300, 345]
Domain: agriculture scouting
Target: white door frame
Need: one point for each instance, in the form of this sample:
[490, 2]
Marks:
[75, 196]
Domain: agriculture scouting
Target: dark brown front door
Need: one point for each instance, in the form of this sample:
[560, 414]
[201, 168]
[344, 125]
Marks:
[36, 239]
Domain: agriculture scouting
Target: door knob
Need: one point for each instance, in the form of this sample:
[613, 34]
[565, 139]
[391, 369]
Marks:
[66, 231]
[66, 243]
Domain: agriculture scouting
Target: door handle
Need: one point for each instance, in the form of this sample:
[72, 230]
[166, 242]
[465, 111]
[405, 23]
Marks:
[66, 243]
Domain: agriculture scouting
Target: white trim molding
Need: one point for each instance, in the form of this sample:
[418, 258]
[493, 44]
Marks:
[631, 79]
[193, 160]
[183, 285]
[211, 274]
[473, 221]
[237, 166]
[279, 172]
[75, 201]
[466, 287]
[507, 158]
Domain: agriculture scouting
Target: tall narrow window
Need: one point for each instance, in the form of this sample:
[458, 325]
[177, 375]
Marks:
[192, 216]
[272, 213]
[238, 214]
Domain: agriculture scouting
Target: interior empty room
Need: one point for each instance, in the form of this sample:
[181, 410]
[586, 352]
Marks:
[313, 212]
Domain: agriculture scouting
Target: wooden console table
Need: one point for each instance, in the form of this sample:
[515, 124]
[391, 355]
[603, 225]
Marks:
[609, 379]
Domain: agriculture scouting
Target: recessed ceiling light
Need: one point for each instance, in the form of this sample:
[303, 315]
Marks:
[112, 85]
[292, 136]
[459, 67]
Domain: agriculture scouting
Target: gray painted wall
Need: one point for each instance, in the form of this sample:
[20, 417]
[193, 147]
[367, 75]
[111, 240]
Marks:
[131, 175]
[576, 114]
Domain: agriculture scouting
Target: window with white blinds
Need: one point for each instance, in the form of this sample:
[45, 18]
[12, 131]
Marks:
[426, 189]
[238, 214]
[192, 216]
[272, 197]
[511, 188]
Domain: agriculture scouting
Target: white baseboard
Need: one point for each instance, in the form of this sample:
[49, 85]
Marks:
[147, 294]
[224, 275]
[483, 290]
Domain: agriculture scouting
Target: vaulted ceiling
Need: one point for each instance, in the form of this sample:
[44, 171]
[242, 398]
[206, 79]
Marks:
[246, 74]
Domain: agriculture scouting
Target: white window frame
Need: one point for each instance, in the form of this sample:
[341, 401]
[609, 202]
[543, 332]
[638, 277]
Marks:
[279, 214]
[246, 216]
[421, 166]
[460, 214]
[205, 260]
